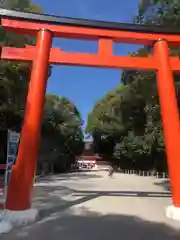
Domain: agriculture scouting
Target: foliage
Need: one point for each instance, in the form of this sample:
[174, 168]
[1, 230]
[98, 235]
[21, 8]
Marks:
[159, 12]
[62, 137]
[14, 76]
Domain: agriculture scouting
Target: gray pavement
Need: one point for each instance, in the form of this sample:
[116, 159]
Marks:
[89, 205]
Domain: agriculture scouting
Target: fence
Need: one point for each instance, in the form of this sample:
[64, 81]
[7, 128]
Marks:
[162, 175]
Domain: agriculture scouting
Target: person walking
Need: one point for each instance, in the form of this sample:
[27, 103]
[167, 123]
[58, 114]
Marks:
[111, 172]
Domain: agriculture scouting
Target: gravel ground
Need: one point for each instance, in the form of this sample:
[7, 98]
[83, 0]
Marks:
[89, 205]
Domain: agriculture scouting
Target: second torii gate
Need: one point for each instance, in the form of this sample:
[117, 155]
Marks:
[46, 27]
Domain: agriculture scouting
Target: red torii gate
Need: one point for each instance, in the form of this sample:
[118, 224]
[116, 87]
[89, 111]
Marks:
[45, 27]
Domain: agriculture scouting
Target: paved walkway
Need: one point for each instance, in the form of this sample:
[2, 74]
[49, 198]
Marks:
[89, 206]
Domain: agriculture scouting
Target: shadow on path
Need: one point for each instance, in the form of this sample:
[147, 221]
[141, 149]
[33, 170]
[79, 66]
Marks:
[145, 194]
[56, 199]
[94, 226]
[164, 183]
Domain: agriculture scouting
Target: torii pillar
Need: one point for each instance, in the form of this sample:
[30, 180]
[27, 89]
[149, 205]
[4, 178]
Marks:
[171, 122]
[20, 188]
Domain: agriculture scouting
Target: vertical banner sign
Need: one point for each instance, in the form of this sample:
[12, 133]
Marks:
[12, 147]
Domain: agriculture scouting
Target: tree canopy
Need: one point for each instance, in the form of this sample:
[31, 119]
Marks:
[62, 136]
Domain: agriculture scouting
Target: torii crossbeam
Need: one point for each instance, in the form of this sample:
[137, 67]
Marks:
[45, 27]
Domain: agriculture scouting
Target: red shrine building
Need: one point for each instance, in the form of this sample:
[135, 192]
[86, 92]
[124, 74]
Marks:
[88, 157]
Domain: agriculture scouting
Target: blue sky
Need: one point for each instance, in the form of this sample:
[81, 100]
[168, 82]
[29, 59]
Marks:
[84, 86]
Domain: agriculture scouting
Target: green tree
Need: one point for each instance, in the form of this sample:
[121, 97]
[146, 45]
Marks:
[62, 136]
[14, 77]
[159, 12]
